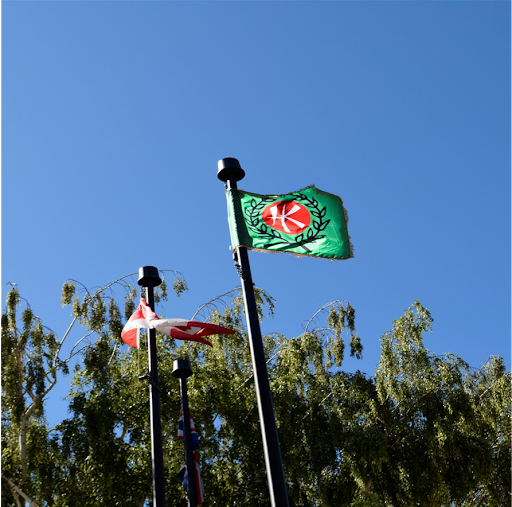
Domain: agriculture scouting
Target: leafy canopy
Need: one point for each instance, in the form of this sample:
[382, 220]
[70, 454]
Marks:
[424, 431]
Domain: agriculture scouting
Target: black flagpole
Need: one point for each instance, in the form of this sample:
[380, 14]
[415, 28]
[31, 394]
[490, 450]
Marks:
[230, 172]
[182, 370]
[149, 278]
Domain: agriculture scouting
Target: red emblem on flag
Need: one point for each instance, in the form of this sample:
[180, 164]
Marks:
[289, 217]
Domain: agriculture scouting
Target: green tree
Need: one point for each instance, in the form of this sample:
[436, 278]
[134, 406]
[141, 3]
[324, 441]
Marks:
[32, 459]
[30, 364]
[221, 392]
[425, 430]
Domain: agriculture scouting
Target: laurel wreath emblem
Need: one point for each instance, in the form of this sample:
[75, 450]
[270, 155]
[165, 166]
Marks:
[253, 214]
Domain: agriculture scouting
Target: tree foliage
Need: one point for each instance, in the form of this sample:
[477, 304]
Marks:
[424, 431]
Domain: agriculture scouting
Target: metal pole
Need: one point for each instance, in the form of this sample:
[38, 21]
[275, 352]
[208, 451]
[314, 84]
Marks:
[182, 371]
[149, 278]
[230, 172]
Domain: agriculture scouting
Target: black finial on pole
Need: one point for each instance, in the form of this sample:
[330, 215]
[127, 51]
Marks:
[230, 172]
[182, 370]
[229, 169]
[149, 278]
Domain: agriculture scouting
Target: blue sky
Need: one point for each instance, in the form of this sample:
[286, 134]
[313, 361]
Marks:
[114, 115]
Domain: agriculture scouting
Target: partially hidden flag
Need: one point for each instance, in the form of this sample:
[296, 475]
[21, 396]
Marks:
[181, 329]
[199, 481]
[193, 433]
[308, 222]
[195, 456]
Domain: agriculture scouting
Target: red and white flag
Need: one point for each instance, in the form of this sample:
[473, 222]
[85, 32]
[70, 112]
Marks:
[180, 329]
[143, 317]
[191, 330]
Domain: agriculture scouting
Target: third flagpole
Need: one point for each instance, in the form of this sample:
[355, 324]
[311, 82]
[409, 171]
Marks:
[230, 172]
[182, 370]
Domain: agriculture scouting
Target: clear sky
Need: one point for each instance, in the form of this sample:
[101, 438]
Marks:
[114, 115]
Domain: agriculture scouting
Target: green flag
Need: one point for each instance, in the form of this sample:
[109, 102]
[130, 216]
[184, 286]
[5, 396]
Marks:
[306, 222]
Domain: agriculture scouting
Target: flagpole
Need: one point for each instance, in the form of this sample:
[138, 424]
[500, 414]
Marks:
[182, 370]
[149, 278]
[230, 172]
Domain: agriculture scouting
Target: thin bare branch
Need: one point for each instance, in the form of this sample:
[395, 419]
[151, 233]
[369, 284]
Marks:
[71, 354]
[332, 303]
[20, 492]
[112, 356]
[482, 499]
[12, 284]
[47, 373]
[101, 289]
[15, 496]
[98, 292]
[30, 409]
[67, 332]
[321, 403]
[76, 353]
[234, 289]
[31, 394]
[491, 386]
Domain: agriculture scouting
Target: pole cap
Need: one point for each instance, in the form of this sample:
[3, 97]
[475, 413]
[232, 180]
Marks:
[181, 368]
[149, 277]
[229, 168]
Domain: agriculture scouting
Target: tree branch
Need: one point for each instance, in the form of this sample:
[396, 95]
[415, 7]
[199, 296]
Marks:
[99, 291]
[76, 344]
[31, 394]
[20, 492]
[321, 310]
[482, 499]
[30, 409]
[112, 356]
[234, 289]
[491, 386]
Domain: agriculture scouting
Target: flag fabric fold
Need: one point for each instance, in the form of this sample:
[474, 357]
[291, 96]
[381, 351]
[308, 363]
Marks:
[193, 433]
[195, 456]
[181, 329]
[199, 480]
[143, 317]
[189, 329]
[308, 222]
